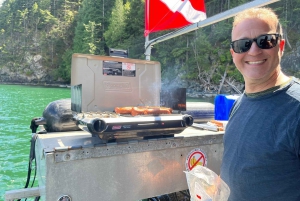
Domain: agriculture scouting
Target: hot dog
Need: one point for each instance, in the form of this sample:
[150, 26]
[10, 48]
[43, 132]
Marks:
[143, 110]
[138, 110]
[123, 110]
[158, 110]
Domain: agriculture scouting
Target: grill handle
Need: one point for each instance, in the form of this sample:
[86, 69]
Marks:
[94, 125]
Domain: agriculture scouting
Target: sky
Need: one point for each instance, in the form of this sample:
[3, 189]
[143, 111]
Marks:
[1, 1]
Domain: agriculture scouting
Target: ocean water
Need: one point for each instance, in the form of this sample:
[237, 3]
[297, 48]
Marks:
[18, 105]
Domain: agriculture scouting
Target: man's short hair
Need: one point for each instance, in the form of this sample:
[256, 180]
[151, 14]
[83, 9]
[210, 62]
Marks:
[263, 13]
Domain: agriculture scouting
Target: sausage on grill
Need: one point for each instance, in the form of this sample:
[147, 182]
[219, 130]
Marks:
[158, 110]
[143, 110]
[123, 110]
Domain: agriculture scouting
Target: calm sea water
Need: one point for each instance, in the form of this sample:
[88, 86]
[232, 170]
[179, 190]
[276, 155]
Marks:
[18, 105]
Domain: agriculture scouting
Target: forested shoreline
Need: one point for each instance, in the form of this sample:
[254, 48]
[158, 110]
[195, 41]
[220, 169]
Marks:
[38, 38]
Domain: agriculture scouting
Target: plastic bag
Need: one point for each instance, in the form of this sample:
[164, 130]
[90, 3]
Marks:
[206, 185]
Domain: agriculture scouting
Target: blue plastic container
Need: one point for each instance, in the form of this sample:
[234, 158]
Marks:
[223, 105]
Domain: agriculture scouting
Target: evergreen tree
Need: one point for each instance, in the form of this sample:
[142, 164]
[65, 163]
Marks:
[89, 29]
[134, 39]
[54, 29]
[114, 35]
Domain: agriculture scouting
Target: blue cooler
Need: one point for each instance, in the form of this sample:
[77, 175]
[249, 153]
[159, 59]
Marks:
[223, 105]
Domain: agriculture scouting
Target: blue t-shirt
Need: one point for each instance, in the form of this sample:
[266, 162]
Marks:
[261, 160]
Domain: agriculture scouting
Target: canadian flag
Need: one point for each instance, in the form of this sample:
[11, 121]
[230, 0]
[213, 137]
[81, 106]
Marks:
[170, 14]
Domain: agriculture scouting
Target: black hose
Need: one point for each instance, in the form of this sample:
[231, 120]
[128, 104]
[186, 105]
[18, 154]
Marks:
[35, 170]
[33, 128]
[31, 158]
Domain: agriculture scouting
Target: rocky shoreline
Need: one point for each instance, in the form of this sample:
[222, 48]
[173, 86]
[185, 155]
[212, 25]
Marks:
[37, 84]
[192, 92]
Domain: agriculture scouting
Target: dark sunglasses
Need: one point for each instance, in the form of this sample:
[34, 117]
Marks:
[266, 41]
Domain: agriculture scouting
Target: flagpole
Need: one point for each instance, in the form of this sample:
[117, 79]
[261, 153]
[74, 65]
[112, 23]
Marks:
[211, 20]
[147, 48]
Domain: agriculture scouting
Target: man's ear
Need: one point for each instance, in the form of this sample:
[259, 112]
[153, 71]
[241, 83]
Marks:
[232, 54]
[281, 45]
[231, 51]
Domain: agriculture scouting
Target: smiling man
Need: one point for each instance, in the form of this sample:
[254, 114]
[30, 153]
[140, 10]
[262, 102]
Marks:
[261, 158]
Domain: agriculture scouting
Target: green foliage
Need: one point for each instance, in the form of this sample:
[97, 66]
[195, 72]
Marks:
[57, 29]
[36, 28]
[28, 72]
[114, 35]
[91, 40]
[64, 70]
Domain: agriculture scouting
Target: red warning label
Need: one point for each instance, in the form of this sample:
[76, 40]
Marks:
[194, 158]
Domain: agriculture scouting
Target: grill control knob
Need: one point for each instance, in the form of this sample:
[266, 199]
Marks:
[64, 198]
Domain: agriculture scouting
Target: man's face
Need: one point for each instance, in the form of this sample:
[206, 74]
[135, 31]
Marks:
[256, 64]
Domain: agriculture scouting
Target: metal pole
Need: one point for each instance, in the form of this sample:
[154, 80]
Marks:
[148, 49]
[211, 20]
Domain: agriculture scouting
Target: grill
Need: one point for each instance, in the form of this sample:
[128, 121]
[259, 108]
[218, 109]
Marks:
[95, 94]
[110, 126]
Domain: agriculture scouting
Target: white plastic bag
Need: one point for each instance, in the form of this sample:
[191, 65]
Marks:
[206, 185]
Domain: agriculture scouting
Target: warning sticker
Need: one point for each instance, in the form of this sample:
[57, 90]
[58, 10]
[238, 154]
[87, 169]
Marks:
[194, 158]
[113, 68]
[128, 69]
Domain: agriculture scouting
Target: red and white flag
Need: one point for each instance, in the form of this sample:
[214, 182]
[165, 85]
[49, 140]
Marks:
[170, 14]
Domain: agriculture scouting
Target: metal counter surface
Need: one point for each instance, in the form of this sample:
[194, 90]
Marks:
[85, 168]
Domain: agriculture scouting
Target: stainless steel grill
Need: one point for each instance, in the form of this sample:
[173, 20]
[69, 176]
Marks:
[110, 126]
